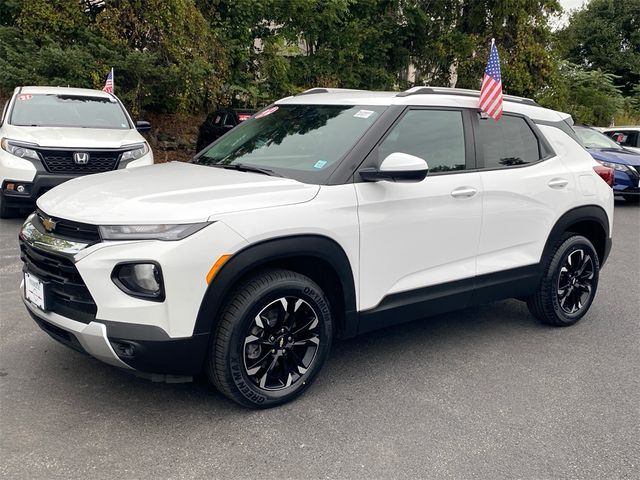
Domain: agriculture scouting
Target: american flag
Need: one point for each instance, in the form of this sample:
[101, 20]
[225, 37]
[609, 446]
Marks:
[491, 91]
[108, 85]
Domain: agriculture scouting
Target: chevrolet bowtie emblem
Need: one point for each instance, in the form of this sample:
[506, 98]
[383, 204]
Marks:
[49, 224]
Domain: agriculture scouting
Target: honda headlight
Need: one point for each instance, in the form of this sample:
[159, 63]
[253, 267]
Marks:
[19, 149]
[138, 151]
[616, 166]
[150, 232]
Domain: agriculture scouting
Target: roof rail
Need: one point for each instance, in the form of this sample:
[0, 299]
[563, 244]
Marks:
[329, 90]
[313, 90]
[462, 92]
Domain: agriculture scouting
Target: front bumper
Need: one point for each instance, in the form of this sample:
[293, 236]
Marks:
[146, 350]
[88, 338]
[41, 183]
[136, 334]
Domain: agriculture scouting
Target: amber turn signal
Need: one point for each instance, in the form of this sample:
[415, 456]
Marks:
[217, 266]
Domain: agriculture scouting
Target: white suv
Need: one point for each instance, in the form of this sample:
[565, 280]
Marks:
[51, 134]
[333, 212]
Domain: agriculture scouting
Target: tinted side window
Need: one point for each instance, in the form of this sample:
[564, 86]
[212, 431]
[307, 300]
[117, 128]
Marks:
[506, 142]
[434, 135]
[626, 138]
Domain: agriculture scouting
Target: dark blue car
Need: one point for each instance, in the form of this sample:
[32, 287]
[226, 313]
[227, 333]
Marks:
[624, 162]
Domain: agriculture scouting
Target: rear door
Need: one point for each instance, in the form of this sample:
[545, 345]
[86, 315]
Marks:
[417, 235]
[526, 188]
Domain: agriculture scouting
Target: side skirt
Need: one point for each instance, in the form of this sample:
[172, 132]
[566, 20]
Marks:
[424, 302]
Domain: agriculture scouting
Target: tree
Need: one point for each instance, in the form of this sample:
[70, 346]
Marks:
[605, 35]
[590, 96]
[522, 34]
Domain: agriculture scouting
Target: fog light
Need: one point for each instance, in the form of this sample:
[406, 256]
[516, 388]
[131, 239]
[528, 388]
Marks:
[124, 349]
[142, 280]
[20, 189]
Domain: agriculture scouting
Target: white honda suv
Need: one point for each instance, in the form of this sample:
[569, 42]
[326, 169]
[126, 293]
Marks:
[49, 135]
[330, 213]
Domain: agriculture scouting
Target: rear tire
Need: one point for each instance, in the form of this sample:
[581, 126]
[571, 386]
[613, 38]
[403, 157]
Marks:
[569, 283]
[273, 336]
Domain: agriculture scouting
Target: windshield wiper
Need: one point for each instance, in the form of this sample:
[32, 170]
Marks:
[247, 168]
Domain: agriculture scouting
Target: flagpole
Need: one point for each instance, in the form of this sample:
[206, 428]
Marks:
[113, 82]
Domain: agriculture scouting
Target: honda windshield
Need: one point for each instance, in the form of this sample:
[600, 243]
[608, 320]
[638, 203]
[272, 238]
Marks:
[48, 110]
[305, 142]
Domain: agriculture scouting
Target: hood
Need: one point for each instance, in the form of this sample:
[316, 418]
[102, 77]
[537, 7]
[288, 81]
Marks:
[173, 192]
[626, 157]
[67, 137]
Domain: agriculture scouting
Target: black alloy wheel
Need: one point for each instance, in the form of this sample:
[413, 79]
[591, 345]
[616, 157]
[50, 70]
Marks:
[575, 281]
[281, 343]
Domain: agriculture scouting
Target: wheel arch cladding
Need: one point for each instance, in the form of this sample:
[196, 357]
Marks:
[319, 258]
[590, 221]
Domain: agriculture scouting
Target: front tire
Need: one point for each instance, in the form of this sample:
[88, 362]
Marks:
[272, 339]
[569, 283]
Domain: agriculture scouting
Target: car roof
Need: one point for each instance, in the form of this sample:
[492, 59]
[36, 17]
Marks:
[88, 92]
[420, 96]
[616, 129]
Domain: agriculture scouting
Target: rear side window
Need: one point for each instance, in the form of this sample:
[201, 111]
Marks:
[507, 142]
[437, 136]
[625, 138]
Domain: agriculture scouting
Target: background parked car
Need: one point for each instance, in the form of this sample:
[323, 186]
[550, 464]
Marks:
[628, 137]
[49, 135]
[220, 122]
[626, 163]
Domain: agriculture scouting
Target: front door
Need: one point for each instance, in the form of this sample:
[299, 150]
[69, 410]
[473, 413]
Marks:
[424, 234]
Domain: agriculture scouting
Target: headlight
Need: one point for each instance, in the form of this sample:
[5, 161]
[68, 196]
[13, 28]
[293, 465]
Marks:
[18, 149]
[138, 151]
[150, 232]
[616, 166]
[141, 280]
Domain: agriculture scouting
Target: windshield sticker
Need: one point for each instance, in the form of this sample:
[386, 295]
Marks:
[320, 163]
[24, 96]
[266, 112]
[364, 113]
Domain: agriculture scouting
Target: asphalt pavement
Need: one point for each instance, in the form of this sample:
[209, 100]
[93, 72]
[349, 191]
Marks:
[484, 392]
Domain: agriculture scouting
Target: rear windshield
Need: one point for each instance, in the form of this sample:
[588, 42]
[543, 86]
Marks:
[305, 142]
[40, 110]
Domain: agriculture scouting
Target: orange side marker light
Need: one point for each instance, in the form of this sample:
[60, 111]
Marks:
[217, 266]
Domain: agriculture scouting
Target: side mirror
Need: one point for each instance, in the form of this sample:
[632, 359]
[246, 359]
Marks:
[143, 126]
[397, 167]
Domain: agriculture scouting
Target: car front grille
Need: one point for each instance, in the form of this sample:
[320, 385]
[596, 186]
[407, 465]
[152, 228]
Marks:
[66, 229]
[66, 292]
[62, 161]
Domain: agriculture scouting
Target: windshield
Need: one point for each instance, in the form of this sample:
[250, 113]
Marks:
[305, 142]
[40, 110]
[591, 138]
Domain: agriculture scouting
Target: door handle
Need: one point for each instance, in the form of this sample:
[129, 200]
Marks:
[464, 192]
[558, 183]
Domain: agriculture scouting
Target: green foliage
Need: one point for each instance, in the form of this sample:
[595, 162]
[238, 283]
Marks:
[188, 56]
[591, 96]
[605, 35]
